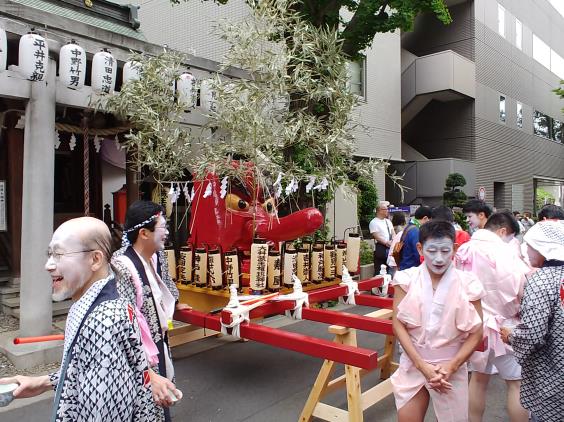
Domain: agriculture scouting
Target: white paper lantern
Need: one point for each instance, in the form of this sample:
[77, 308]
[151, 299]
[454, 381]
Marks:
[208, 96]
[131, 71]
[3, 49]
[104, 69]
[33, 57]
[72, 65]
[185, 90]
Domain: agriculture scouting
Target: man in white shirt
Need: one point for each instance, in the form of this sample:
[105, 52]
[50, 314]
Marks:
[382, 232]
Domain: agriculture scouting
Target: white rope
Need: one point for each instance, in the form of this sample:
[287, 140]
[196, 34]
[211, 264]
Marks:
[299, 297]
[352, 288]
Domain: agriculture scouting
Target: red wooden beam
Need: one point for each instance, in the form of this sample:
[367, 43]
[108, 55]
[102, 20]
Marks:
[334, 292]
[345, 319]
[311, 346]
[374, 301]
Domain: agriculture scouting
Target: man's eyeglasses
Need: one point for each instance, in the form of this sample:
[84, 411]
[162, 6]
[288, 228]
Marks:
[58, 255]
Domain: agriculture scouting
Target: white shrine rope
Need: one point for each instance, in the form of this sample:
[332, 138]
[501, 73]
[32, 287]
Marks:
[299, 296]
[236, 321]
[352, 287]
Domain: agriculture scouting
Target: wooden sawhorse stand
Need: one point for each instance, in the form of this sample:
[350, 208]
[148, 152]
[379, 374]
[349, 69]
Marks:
[358, 402]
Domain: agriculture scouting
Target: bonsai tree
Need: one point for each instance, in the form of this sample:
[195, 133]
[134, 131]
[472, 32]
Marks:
[453, 195]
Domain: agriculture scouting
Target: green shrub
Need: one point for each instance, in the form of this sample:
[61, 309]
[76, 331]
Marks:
[366, 253]
[367, 201]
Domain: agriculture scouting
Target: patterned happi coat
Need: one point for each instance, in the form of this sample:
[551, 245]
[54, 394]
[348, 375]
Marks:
[104, 374]
[127, 290]
[538, 343]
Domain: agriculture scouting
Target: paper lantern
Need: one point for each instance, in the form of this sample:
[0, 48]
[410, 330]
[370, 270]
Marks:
[171, 260]
[72, 65]
[329, 262]
[259, 264]
[208, 96]
[104, 67]
[341, 258]
[317, 264]
[302, 265]
[186, 262]
[215, 274]
[353, 252]
[273, 271]
[131, 71]
[290, 265]
[185, 90]
[232, 273]
[33, 57]
[3, 49]
[200, 267]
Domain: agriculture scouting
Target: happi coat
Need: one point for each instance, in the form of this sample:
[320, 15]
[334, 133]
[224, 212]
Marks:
[538, 343]
[502, 274]
[438, 324]
[104, 374]
[154, 301]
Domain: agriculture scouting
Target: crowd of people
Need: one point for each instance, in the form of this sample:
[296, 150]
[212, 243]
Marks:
[484, 304]
[489, 303]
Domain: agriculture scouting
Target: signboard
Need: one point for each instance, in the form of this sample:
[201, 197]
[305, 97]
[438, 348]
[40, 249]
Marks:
[482, 193]
[3, 219]
[398, 209]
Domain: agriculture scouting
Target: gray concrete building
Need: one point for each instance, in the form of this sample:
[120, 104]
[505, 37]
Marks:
[477, 99]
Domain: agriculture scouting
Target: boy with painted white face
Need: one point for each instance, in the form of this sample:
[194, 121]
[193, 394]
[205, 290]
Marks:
[477, 213]
[437, 320]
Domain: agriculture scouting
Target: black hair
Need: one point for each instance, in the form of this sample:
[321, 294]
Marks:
[398, 219]
[422, 212]
[503, 219]
[550, 211]
[444, 213]
[138, 212]
[477, 206]
[436, 230]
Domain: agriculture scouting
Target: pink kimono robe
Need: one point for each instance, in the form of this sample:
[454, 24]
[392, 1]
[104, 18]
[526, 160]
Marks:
[502, 273]
[438, 324]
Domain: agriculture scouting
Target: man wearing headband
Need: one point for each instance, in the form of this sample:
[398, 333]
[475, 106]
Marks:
[149, 287]
[538, 341]
[103, 374]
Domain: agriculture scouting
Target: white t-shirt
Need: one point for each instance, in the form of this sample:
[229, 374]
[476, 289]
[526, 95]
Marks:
[383, 227]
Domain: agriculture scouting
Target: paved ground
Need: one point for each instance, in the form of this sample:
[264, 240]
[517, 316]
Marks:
[227, 381]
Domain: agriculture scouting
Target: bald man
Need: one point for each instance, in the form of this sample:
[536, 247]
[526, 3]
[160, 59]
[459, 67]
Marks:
[103, 373]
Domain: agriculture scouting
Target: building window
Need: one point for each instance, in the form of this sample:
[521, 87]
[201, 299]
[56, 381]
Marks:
[541, 124]
[541, 52]
[557, 131]
[520, 115]
[556, 64]
[356, 77]
[502, 108]
[518, 34]
[501, 20]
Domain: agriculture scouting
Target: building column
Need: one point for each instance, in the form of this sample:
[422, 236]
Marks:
[37, 207]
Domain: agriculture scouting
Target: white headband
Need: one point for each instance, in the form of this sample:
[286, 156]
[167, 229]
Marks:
[547, 237]
[125, 241]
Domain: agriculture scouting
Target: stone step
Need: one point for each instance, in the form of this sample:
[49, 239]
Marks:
[11, 306]
[8, 289]
[59, 308]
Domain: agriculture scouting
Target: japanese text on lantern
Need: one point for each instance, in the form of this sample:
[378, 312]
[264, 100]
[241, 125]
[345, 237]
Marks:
[107, 78]
[40, 55]
[261, 266]
[76, 62]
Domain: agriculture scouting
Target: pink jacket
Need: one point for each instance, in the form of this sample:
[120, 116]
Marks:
[502, 274]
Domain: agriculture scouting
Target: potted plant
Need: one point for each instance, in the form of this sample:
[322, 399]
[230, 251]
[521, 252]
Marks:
[366, 260]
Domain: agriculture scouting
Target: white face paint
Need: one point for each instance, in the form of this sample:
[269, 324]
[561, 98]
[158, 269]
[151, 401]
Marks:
[438, 254]
[473, 220]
